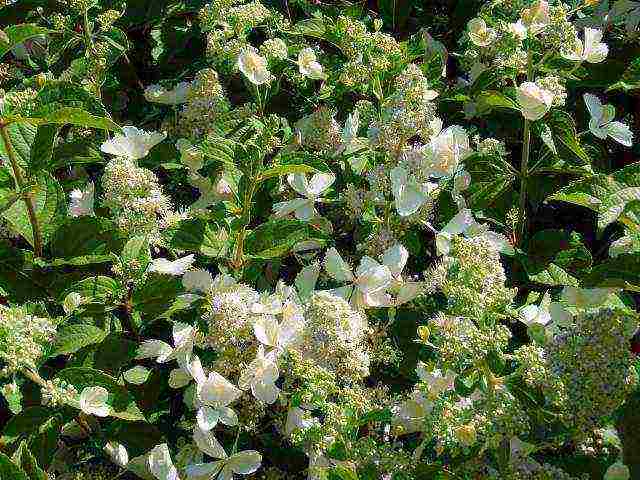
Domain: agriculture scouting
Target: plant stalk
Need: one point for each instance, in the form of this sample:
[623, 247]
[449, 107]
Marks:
[524, 163]
[27, 196]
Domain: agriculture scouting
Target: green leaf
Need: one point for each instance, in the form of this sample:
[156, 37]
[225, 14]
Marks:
[136, 251]
[49, 205]
[622, 271]
[83, 237]
[42, 147]
[342, 473]
[492, 100]
[24, 424]
[277, 237]
[630, 78]
[26, 460]
[198, 235]
[14, 398]
[21, 137]
[615, 205]
[588, 192]
[219, 149]
[139, 437]
[72, 338]
[44, 443]
[120, 400]
[9, 470]
[280, 170]
[17, 34]
[67, 116]
[97, 288]
[554, 276]
[565, 137]
[156, 295]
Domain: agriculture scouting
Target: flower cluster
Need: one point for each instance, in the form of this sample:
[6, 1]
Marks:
[26, 338]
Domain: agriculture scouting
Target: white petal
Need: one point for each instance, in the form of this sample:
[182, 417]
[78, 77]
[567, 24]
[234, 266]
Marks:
[594, 106]
[197, 280]
[336, 267]
[265, 392]
[621, 133]
[319, 183]
[117, 453]
[208, 444]
[282, 209]
[266, 330]
[217, 391]
[228, 416]
[371, 276]
[154, 349]
[244, 463]
[460, 223]
[407, 195]
[299, 183]
[306, 211]
[93, 401]
[202, 471]
[177, 267]
[160, 463]
[395, 257]
[207, 418]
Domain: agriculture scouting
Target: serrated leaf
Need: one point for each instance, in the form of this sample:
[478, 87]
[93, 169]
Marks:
[565, 137]
[554, 276]
[615, 204]
[120, 400]
[21, 137]
[276, 238]
[50, 206]
[589, 192]
[492, 99]
[66, 116]
[71, 338]
[17, 34]
[98, 288]
[42, 147]
[622, 271]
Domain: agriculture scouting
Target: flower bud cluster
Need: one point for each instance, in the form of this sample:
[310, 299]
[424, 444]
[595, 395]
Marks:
[24, 338]
[592, 359]
[473, 279]
[57, 393]
[134, 196]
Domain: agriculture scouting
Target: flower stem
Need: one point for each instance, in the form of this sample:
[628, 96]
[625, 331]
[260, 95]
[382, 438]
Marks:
[524, 163]
[27, 197]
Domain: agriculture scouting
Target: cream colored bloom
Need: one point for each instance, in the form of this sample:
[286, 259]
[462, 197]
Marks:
[593, 50]
[518, 30]
[446, 150]
[480, 34]
[254, 66]
[311, 190]
[261, 376]
[534, 101]
[133, 143]
[175, 96]
[81, 201]
[308, 64]
[93, 401]
[160, 463]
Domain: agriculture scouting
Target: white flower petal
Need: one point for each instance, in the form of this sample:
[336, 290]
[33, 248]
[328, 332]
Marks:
[177, 267]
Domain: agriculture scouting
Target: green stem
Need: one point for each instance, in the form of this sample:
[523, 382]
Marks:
[238, 260]
[524, 163]
[27, 197]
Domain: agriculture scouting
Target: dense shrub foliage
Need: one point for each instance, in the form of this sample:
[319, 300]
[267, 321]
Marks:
[332, 240]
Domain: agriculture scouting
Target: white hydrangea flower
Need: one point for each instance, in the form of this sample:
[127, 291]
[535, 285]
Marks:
[160, 463]
[534, 101]
[308, 64]
[93, 401]
[261, 376]
[133, 143]
[175, 96]
[602, 124]
[480, 34]
[593, 50]
[408, 193]
[463, 223]
[81, 201]
[241, 463]
[297, 419]
[367, 285]
[446, 150]
[254, 66]
[167, 267]
[216, 391]
[183, 339]
[395, 257]
[312, 190]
